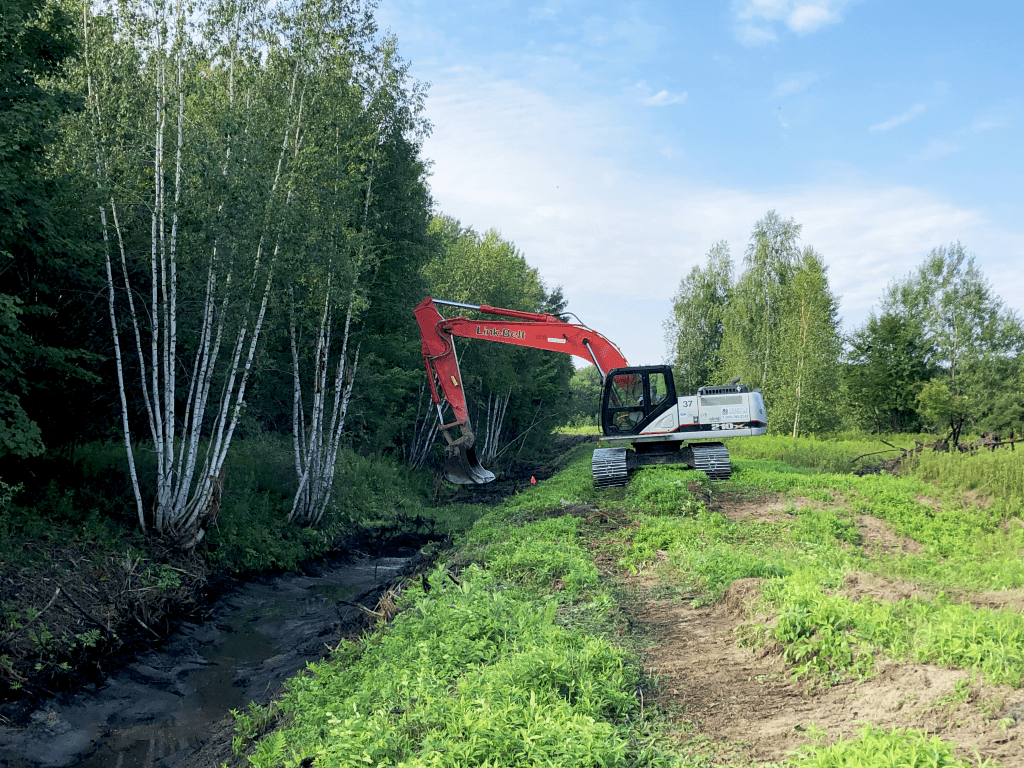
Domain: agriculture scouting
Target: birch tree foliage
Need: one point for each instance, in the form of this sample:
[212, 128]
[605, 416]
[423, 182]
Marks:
[196, 120]
[752, 329]
[349, 149]
[966, 323]
[780, 330]
[694, 331]
[806, 370]
[976, 341]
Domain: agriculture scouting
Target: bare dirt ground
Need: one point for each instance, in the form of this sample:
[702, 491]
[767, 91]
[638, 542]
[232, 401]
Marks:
[743, 705]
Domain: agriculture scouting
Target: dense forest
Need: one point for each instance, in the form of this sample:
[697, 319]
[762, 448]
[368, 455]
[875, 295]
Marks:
[216, 220]
[216, 224]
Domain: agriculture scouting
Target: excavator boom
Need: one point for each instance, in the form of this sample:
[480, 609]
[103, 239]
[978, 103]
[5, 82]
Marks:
[524, 329]
[639, 405]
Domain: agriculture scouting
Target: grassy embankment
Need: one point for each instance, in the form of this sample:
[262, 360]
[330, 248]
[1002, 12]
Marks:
[520, 660]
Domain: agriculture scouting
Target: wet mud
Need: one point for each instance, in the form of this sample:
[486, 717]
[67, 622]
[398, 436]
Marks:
[162, 708]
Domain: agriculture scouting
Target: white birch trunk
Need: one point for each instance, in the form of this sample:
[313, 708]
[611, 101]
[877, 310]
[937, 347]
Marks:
[188, 480]
[317, 443]
[425, 430]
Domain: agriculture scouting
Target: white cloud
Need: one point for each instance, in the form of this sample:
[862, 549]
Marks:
[810, 17]
[595, 207]
[793, 85]
[753, 36]
[547, 11]
[906, 117]
[634, 32]
[800, 16]
[935, 149]
[990, 121]
[659, 99]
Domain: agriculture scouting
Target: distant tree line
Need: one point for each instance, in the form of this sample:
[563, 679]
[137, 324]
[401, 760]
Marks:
[941, 352]
[215, 222]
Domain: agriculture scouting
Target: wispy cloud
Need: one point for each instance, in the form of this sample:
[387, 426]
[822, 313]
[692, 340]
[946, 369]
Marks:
[990, 121]
[753, 36]
[659, 99]
[810, 17]
[755, 17]
[636, 33]
[935, 149]
[548, 10]
[793, 85]
[598, 211]
[906, 117]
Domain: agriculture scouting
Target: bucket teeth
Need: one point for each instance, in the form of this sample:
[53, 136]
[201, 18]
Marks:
[609, 467]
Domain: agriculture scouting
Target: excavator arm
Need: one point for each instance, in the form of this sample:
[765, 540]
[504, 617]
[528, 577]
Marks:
[523, 329]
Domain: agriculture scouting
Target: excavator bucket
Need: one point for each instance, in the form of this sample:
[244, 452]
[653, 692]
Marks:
[462, 467]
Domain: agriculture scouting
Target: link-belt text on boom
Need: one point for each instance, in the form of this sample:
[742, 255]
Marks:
[505, 333]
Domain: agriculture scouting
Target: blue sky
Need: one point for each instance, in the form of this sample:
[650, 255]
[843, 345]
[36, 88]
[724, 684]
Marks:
[614, 143]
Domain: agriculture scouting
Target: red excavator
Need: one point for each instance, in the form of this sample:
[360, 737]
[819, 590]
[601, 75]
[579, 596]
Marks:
[639, 406]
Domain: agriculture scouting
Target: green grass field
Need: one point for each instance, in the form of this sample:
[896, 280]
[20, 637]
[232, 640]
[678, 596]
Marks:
[519, 656]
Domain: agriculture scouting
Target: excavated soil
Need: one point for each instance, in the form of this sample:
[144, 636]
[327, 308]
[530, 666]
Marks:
[745, 706]
[879, 540]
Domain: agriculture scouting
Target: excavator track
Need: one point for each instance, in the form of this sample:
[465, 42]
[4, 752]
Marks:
[609, 467]
[712, 459]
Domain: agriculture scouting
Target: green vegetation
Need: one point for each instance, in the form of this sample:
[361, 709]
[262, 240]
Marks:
[804, 555]
[526, 634]
[996, 474]
[875, 747]
[482, 669]
[267, 400]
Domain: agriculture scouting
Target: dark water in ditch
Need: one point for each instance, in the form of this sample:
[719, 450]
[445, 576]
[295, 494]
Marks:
[159, 710]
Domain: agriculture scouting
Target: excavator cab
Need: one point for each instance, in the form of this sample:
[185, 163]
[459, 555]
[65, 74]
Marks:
[635, 397]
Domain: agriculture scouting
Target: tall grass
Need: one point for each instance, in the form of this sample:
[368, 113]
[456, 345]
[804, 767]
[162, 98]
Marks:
[837, 455]
[998, 474]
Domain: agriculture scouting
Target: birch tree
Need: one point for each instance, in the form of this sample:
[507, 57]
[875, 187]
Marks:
[975, 342]
[694, 331]
[363, 107]
[752, 328]
[195, 165]
[808, 374]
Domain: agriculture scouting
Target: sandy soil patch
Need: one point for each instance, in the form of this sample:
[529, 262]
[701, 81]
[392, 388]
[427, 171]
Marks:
[744, 699]
[769, 509]
[859, 585]
[999, 599]
[879, 540]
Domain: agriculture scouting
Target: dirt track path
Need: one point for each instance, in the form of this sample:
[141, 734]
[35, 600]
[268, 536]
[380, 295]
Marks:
[744, 703]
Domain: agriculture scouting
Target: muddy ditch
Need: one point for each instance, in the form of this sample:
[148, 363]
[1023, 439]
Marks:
[164, 706]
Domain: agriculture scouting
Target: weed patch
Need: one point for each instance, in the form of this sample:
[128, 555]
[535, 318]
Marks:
[874, 747]
[468, 675]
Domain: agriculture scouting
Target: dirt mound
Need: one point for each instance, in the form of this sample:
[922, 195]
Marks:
[999, 599]
[880, 540]
[770, 509]
[859, 585]
[746, 703]
[740, 596]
